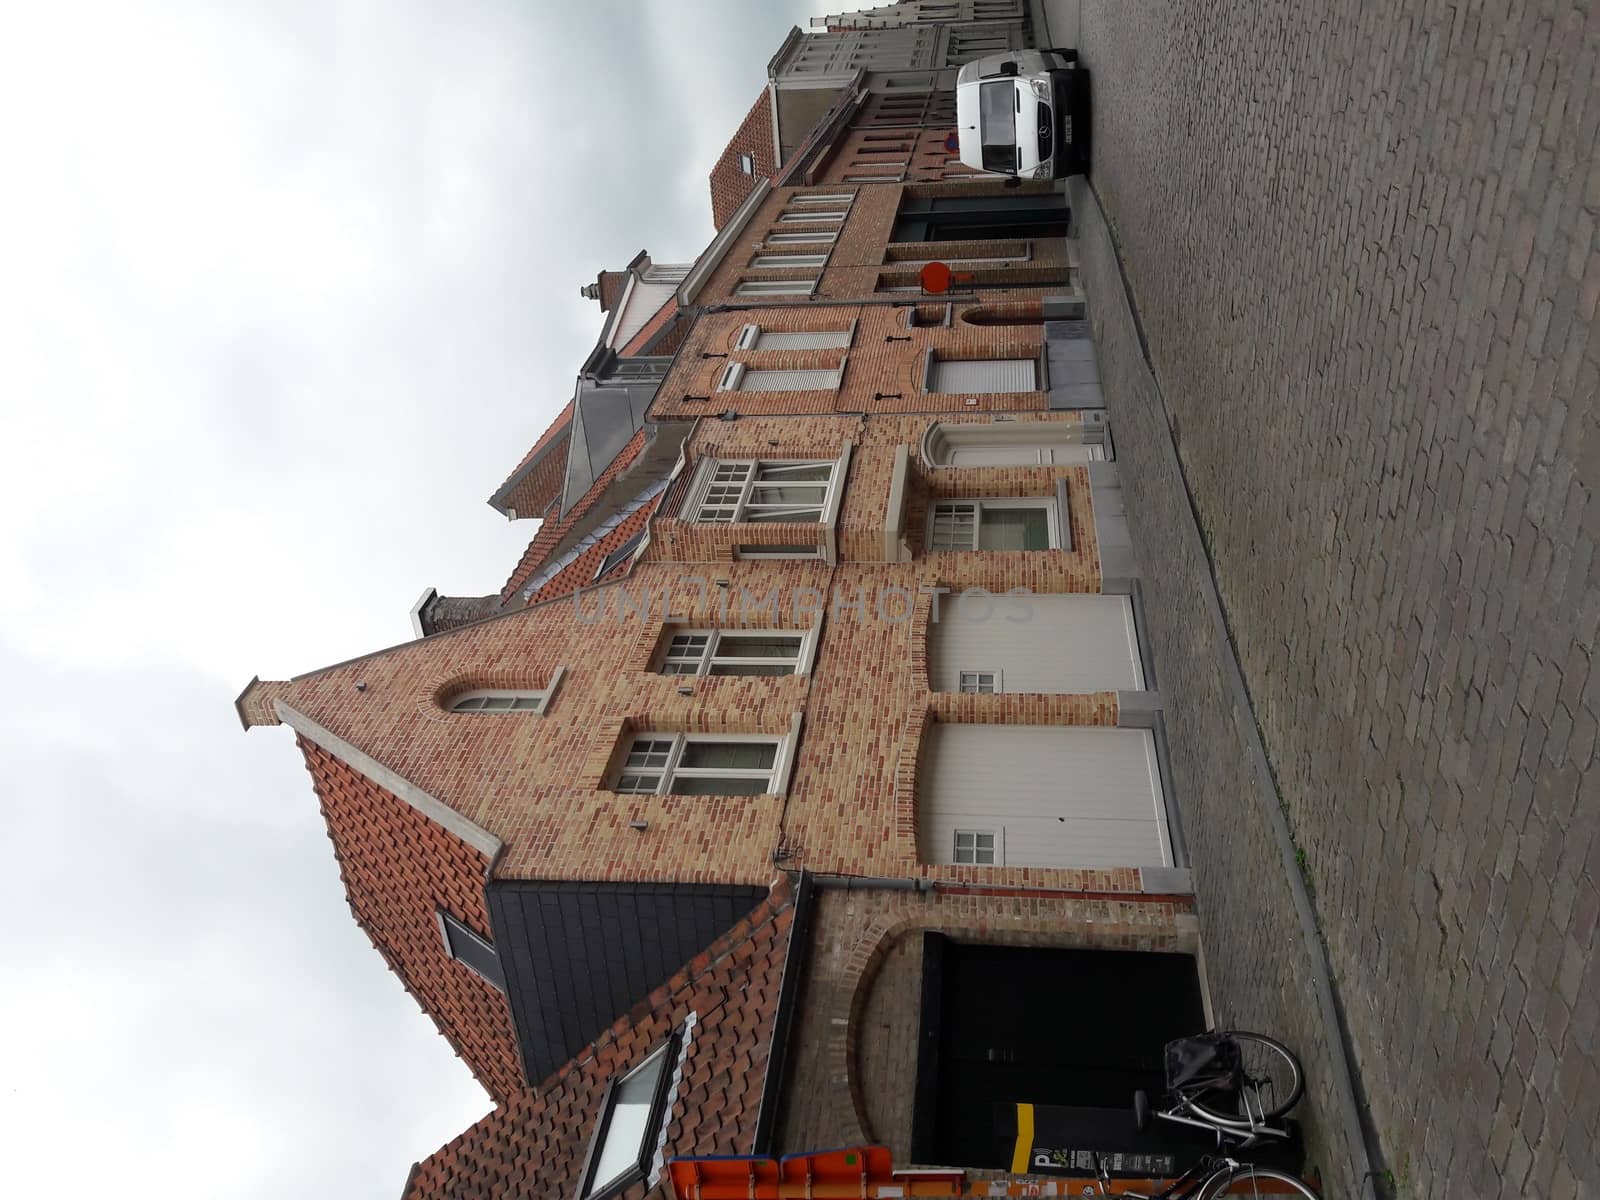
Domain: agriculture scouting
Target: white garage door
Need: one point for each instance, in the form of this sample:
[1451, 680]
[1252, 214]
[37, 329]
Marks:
[1042, 643]
[1042, 796]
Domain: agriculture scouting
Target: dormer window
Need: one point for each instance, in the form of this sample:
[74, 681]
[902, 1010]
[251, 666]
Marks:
[630, 1117]
[471, 949]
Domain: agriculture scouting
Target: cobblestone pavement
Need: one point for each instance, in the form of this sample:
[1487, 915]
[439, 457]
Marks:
[1362, 239]
[1259, 963]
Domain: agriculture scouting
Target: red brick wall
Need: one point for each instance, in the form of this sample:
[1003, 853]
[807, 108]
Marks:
[869, 150]
[856, 265]
[729, 184]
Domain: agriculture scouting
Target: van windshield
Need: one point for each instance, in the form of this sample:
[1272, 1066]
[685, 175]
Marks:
[997, 125]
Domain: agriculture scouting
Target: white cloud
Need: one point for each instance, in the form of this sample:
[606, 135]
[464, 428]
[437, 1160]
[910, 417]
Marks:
[290, 288]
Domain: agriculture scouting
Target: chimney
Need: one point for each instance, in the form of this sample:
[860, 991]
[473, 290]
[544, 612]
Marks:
[607, 288]
[434, 613]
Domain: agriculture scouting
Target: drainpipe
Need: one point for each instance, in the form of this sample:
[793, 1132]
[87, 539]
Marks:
[862, 883]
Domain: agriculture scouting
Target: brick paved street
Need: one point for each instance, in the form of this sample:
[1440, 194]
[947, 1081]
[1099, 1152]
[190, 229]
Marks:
[1362, 240]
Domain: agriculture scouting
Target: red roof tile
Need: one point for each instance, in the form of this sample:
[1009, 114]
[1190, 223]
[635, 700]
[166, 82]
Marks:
[398, 868]
[551, 532]
[729, 183]
[580, 571]
[534, 1144]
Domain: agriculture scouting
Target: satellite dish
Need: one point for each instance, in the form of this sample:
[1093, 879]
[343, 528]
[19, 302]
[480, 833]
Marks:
[936, 277]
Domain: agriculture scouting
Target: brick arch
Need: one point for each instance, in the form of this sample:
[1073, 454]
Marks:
[1054, 922]
[1022, 312]
[437, 692]
[906, 772]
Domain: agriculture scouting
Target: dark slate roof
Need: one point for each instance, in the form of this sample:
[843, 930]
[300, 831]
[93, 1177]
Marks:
[578, 956]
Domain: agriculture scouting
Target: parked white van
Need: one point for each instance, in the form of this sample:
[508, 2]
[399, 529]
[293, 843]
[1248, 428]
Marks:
[1024, 113]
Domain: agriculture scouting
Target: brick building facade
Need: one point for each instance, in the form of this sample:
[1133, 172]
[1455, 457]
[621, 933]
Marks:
[705, 816]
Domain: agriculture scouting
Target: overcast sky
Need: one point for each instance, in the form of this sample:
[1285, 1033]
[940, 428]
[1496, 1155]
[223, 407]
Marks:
[286, 290]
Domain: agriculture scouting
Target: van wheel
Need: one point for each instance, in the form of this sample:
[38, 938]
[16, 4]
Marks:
[1070, 55]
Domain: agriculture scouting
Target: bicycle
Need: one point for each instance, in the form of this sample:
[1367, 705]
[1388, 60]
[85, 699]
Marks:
[1231, 1082]
[1217, 1175]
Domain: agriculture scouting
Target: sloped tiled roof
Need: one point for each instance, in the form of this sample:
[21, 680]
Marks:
[551, 532]
[729, 184]
[398, 868]
[579, 573]
[535, 1144]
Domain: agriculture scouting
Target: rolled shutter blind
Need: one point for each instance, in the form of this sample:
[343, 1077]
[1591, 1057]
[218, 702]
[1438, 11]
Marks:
[986, 375]
[802, 341]
[787, 381]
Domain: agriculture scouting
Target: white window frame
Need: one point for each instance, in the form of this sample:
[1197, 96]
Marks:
[996, 849]
[822, 198]
[803, 237]
[538, 699]
[775, 287]
[789, 551]
[733, 377]
[977, 678]
[1047, 503]
[591, 1188]
[710, 654]
[747, 163]
[738, 506]
[669, 748]
[780, 262]
[820, 217]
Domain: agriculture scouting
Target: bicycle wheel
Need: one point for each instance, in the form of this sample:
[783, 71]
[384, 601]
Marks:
[1256, 1181]
[1272, 1084]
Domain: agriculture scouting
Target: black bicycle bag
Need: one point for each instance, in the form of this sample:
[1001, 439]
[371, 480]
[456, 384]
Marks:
[1202, 1063]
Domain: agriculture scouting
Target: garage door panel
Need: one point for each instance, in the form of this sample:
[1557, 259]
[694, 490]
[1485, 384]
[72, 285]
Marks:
[1058, 796]
[1076, 643]
[1052, 841]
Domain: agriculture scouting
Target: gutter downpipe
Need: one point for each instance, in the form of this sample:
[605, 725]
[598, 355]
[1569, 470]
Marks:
[794, 966]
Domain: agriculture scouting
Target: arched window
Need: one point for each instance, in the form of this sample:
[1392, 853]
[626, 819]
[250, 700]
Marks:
[1010, 444]
[506, 700]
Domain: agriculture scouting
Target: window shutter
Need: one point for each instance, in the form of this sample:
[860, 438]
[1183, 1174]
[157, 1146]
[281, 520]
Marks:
[986, 375]
[787, 381]
[825, 340]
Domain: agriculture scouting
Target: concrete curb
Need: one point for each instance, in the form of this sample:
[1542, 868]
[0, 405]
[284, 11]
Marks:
[1086, 204]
